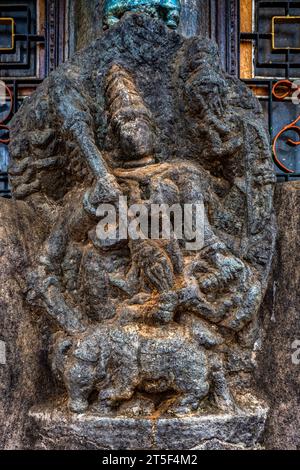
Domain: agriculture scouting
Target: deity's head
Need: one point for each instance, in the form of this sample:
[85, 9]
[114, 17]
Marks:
[167, 10]
[137, 142]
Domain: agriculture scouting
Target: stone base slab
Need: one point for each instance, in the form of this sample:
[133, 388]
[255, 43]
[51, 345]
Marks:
[60, 429]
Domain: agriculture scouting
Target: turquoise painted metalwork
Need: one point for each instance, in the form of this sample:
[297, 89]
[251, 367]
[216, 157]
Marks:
[167, 10]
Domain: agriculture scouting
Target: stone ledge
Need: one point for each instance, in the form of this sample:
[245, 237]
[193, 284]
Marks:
[59, 429]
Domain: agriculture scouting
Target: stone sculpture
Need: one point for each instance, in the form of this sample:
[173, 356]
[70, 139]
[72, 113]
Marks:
[143, 327]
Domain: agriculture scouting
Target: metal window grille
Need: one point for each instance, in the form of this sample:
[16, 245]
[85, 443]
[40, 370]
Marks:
[276, 40]
[31, 45]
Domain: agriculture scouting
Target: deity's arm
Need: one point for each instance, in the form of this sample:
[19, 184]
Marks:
[45, 280]
[74, 108]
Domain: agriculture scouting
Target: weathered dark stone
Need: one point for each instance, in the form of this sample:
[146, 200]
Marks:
[86, 21]
[279, 374]
[23, 376]
[70, 431]
[147, 329]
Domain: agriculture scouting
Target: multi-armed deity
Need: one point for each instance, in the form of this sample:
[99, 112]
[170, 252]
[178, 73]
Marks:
[147, 326]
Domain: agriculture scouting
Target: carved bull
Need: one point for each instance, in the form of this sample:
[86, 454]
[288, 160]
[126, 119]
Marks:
[131, 358]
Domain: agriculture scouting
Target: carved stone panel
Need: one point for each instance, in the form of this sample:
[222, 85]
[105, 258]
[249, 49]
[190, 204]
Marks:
[148, 328]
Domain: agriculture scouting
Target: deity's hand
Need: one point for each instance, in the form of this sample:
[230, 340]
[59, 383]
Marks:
[163, 311]
[222, 269]
[155, 264]
[45, 290]
[105, 190]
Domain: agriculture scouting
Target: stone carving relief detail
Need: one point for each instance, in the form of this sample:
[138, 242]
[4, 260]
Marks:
[147, 326]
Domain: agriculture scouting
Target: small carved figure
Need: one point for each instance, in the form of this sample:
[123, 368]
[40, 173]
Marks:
[167, 10]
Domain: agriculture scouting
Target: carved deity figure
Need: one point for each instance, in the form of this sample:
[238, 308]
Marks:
[147, 325]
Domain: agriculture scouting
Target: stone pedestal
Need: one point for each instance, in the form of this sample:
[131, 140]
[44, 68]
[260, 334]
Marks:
[60, 429]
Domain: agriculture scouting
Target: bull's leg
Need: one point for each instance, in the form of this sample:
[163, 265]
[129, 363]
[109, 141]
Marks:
[190, 400]
[123, 383]
[112, 396]
[222, 394]
[191, 382]
[79, 379]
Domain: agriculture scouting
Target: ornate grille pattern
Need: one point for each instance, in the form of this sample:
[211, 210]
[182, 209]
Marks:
[276, 38]
[276, 57]
[31, 45]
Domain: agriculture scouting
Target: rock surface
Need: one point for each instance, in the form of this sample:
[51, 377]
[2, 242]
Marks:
[23, 373]
[70, 431]
[279, 361]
